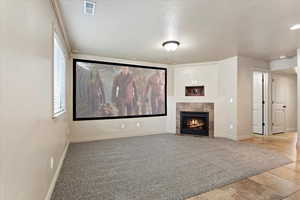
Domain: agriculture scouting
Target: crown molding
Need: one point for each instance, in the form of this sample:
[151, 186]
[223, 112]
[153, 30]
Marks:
[61, 25]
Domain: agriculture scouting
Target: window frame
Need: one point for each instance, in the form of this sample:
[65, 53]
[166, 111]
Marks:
[56, 38]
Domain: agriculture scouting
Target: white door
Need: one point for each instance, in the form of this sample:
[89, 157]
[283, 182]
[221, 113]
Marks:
[278, 105]
[258, 102]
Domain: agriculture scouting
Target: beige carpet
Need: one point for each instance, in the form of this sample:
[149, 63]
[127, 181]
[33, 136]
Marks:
[157, 167]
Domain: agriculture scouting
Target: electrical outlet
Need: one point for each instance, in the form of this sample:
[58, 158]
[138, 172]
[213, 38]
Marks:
[122, 125]
[51, 163]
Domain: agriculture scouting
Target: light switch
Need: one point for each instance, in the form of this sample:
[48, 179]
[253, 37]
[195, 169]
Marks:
[51, 163]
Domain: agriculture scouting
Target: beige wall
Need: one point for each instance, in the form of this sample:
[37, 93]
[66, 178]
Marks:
[29, 136]
[105, 129]
[228, 84]
[292, 103]
[220, 81]
[298, 95]
[227, 101]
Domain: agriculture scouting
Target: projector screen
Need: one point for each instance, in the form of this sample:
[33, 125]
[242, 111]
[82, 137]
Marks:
[104, 90]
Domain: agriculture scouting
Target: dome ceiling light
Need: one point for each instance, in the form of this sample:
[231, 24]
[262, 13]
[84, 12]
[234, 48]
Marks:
[171, 45]
[295, 27]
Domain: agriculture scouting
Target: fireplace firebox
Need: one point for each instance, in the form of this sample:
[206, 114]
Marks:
[194, 123]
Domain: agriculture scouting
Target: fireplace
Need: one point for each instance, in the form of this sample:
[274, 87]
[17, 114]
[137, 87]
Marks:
[194, 123]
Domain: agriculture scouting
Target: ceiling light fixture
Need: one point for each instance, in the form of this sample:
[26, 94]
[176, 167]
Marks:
[171, 45]
[89, 7]
[295, 27]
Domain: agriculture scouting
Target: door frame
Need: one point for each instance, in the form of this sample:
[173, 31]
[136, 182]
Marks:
[271, 108]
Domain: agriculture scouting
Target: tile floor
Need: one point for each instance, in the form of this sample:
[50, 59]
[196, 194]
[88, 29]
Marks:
[280, 183]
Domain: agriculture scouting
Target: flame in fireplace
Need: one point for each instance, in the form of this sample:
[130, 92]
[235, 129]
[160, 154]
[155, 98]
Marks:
[195, 123]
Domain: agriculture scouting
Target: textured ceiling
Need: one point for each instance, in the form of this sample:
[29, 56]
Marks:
[207, 29]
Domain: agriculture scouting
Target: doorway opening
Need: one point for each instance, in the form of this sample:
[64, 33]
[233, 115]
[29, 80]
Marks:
[284, 101]
[260, 103]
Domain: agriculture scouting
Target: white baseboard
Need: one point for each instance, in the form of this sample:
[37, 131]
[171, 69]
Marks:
[243, 137]
[106, 136]
[291, 130]
[54, 179]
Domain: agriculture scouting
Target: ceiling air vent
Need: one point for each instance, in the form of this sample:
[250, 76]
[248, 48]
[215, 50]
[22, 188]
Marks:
[89, 7]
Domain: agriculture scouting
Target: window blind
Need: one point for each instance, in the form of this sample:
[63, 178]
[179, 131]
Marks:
[59, 81]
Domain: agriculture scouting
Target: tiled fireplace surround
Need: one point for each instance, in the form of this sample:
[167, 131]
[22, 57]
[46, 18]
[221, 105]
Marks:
[195, 107]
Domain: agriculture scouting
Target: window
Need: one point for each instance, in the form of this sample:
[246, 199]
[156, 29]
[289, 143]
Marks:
[59, 82]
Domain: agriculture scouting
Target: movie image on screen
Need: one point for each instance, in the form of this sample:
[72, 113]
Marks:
[104, 90]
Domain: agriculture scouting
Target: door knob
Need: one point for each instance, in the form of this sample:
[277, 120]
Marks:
[284, 106]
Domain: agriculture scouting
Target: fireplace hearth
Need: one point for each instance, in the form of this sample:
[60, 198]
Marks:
[194, 123]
